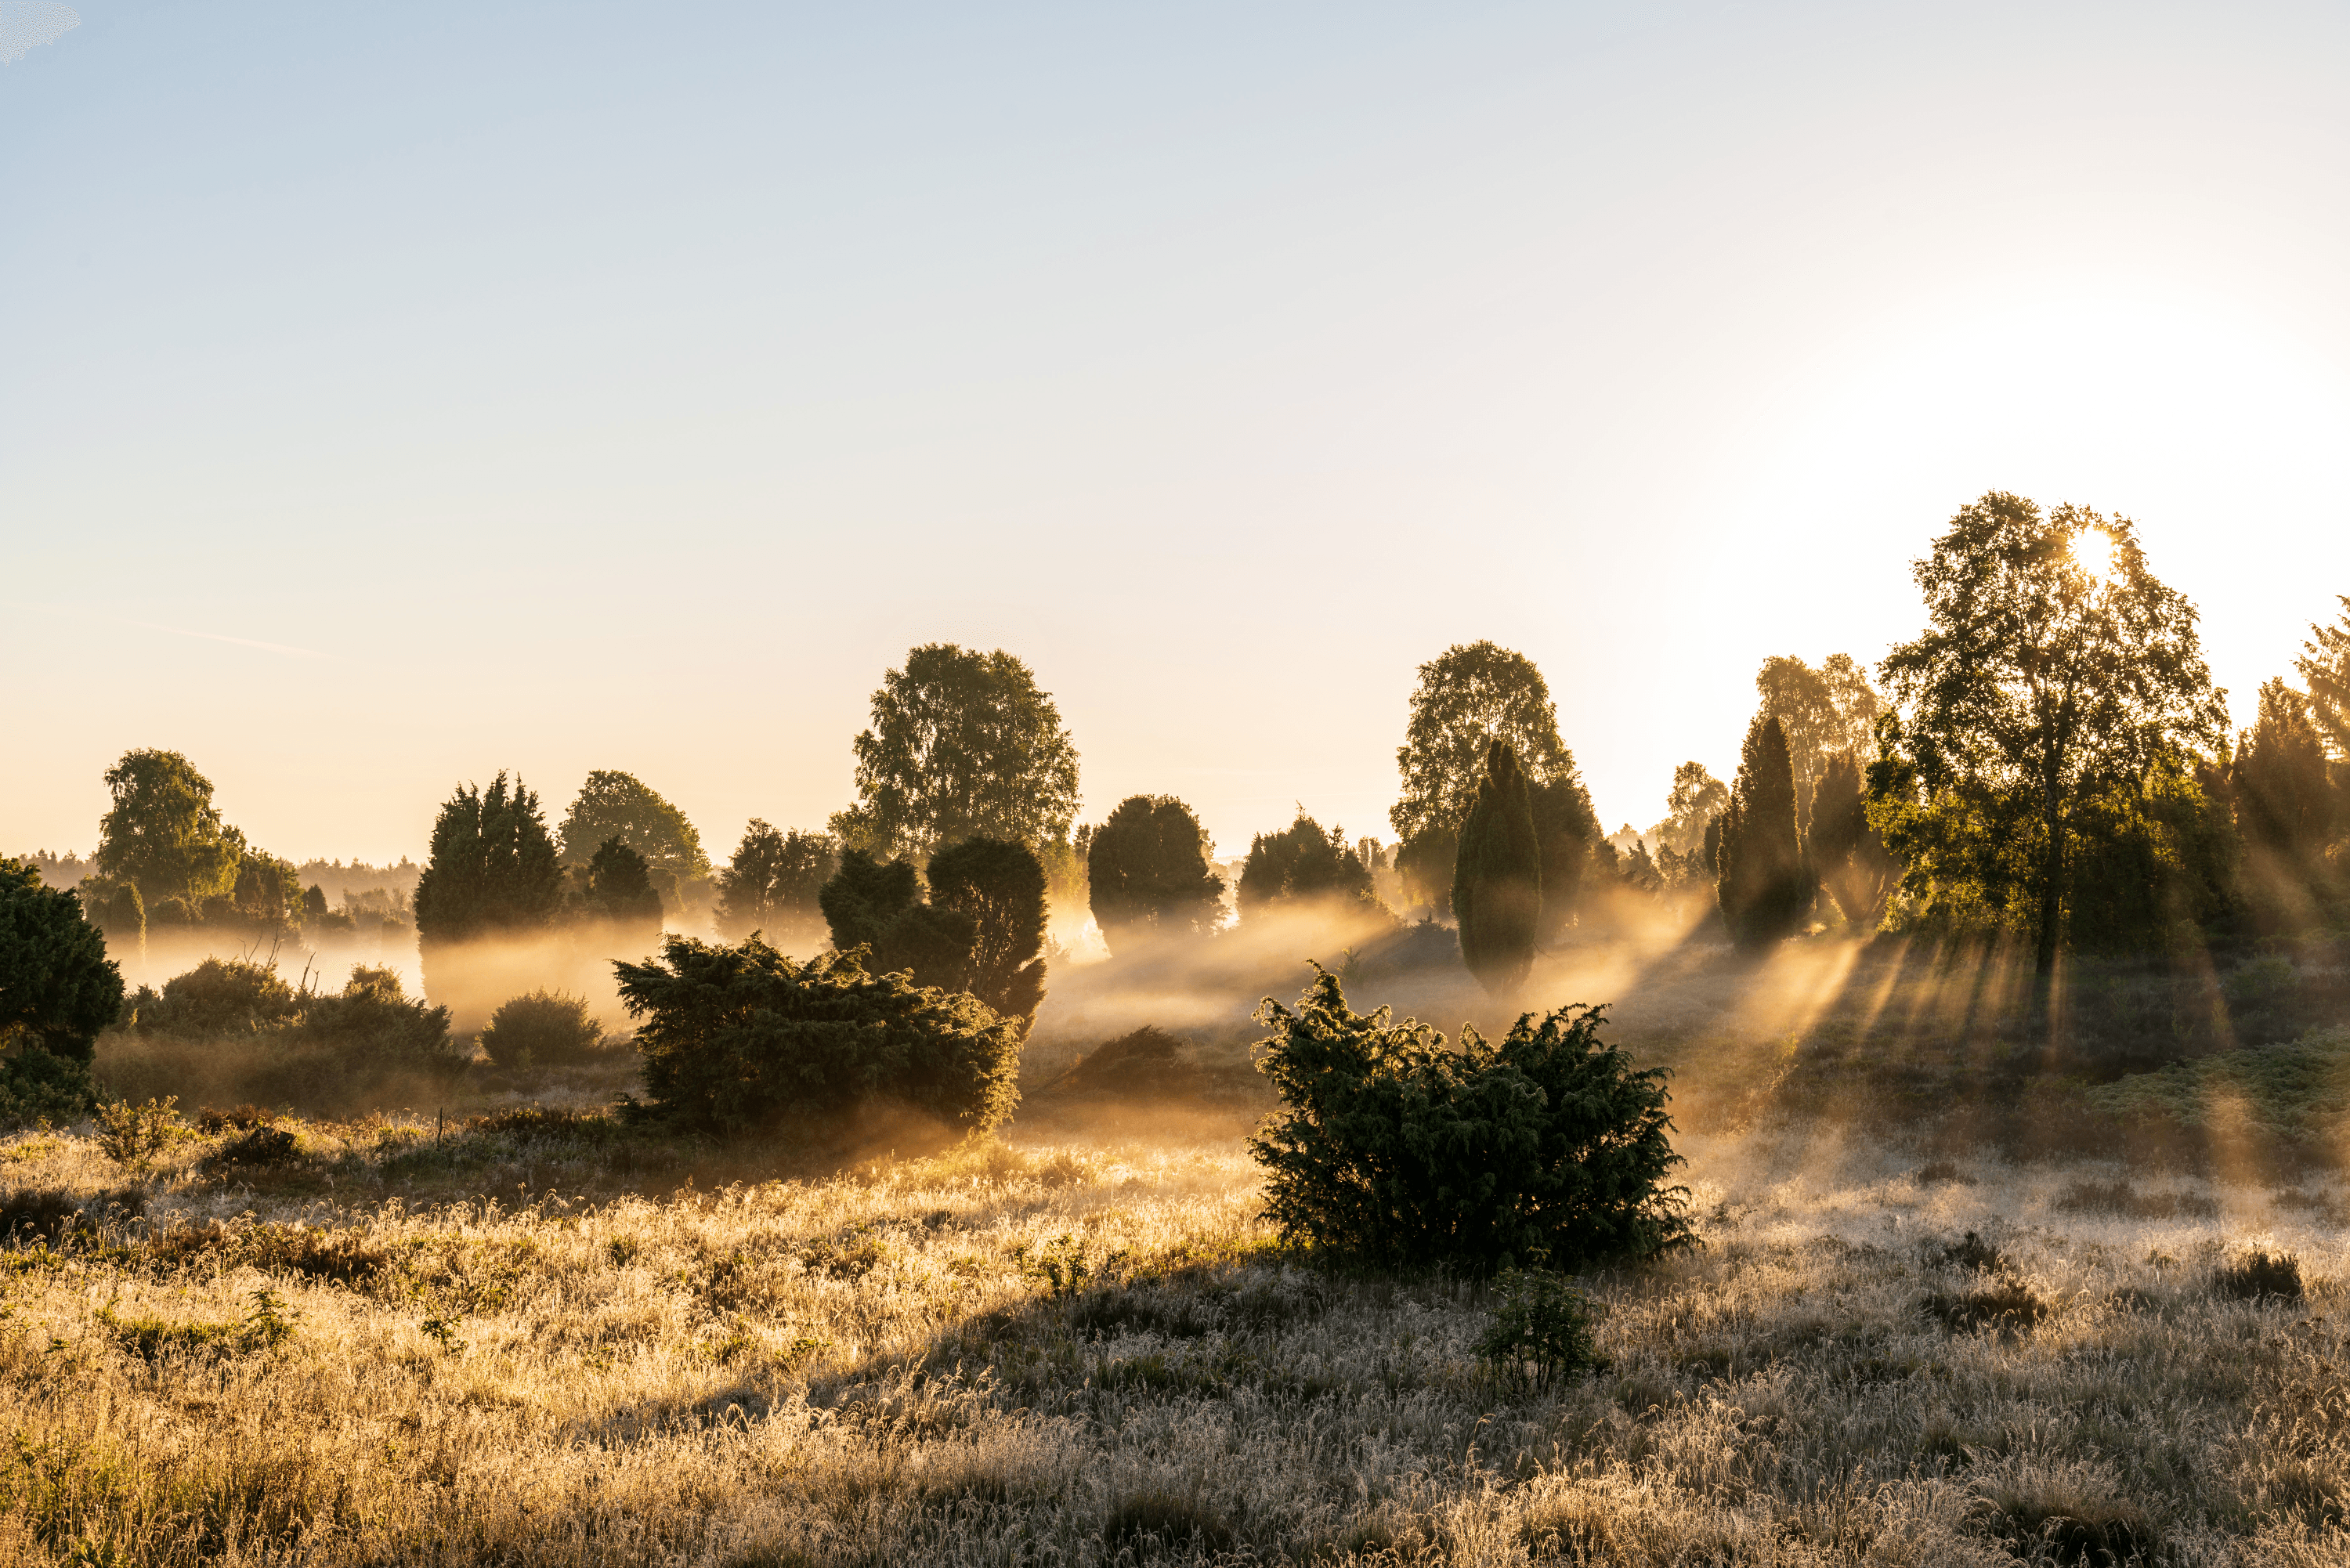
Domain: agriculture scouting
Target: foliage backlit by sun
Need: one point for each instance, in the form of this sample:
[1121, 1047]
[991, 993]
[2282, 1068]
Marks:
[2093, 549]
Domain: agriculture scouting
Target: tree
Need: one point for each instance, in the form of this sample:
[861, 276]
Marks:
[1147, 873]
[772, 882]
[1764, 884]
[1468, 695]
[999, 886]
[2285, 802]
[1822, 711]
[2324, 664]
[1497, 890]
[1697, 798]
[742, 1039]
[268, 889]
[1303, 867]
[2040, 686]
[1847, 854]
[613, 805]
[58, 986]
[163, 833]
[620, 891]
[314, 904]
[492, 869]
[962, 745]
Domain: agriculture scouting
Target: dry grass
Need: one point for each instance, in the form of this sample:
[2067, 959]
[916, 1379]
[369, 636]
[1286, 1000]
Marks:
[1093, 1353]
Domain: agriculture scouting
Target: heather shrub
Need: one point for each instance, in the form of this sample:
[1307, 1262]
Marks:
[219, 996]
[1546, 1147]
[542, 1029]
[740, 1038]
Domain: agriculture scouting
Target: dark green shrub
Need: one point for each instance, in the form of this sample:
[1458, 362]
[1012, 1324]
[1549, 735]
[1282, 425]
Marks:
[375, 1026]
[58, 986]
[1544, 1147]
[35, 1087]
[739, 1038]
[260, 1147]
[219, 996]
[542, 1029]
[1541, 1331]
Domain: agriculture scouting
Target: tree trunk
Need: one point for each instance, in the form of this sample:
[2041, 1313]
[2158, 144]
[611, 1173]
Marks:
[2051, 888]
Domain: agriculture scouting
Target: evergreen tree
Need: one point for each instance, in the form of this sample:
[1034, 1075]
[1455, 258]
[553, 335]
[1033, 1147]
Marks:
[878, 906]
[999, 886]
[2324, 664]
[314, 904]
[1765, 887]
[164, 832]
[1847, 854]
[1303, 866]
[2285, 803]
[492, 869]
[773, 880]
[1497, 890]
[58, 986]
[1147, 873]
[620, 891]
[964, 744]
[126, 914]
[1468, 696]
[613, 805]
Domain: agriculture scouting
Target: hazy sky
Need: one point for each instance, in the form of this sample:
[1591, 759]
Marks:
[393, 394]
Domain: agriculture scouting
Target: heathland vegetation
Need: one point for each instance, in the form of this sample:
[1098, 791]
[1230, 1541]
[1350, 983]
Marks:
[1955, 1173]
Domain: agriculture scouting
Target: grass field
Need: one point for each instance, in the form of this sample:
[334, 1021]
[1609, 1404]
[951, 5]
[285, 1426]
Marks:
[488, 1348]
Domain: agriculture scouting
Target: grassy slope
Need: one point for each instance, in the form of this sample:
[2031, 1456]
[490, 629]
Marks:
[513, 1361]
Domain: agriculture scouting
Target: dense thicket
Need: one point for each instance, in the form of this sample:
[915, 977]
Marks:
[2041, 698]
[493, 868]
[962, 744]
[772, 883]
[999, 886]
[1761, 877]
[1545, 1147]
[1147, 873]
[1497, 887]
[742, 1039]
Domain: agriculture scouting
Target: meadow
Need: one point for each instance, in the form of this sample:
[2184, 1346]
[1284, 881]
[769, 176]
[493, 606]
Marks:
[2016, 1328]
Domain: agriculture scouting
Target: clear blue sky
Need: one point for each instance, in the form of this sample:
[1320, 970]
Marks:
[556, 388]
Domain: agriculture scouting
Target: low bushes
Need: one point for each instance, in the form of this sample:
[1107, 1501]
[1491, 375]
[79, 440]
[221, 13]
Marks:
[1543, 1148]
[542, 1029]
[738, 1039]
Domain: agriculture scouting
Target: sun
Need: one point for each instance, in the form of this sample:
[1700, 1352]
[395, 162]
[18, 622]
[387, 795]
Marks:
[2092, 551]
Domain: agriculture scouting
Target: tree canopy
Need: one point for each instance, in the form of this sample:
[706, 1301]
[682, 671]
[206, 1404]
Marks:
[613, 805]
[1302, 866]
[1821, 712]
[1147, 873]
[962, 745]
[492, 869]
[772, 882]
[2039, 688]
[999, 886]
[163, 833]
[2324, 664]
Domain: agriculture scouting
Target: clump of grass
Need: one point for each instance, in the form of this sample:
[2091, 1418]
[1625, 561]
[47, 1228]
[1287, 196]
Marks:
[36, 1216]
[1973, 1252]
[2260, 1275]
[2011, 1308]
[243, 1118]
[262, 1146]
[1146, 1524]
[1941, 1173]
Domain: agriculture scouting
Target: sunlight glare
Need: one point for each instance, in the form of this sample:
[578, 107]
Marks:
[2093, 549]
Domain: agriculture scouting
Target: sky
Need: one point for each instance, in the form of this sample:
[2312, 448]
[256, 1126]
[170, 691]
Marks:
[390, 396]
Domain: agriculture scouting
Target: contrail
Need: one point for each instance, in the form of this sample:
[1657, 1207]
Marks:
[240, 641]
[28, 24]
